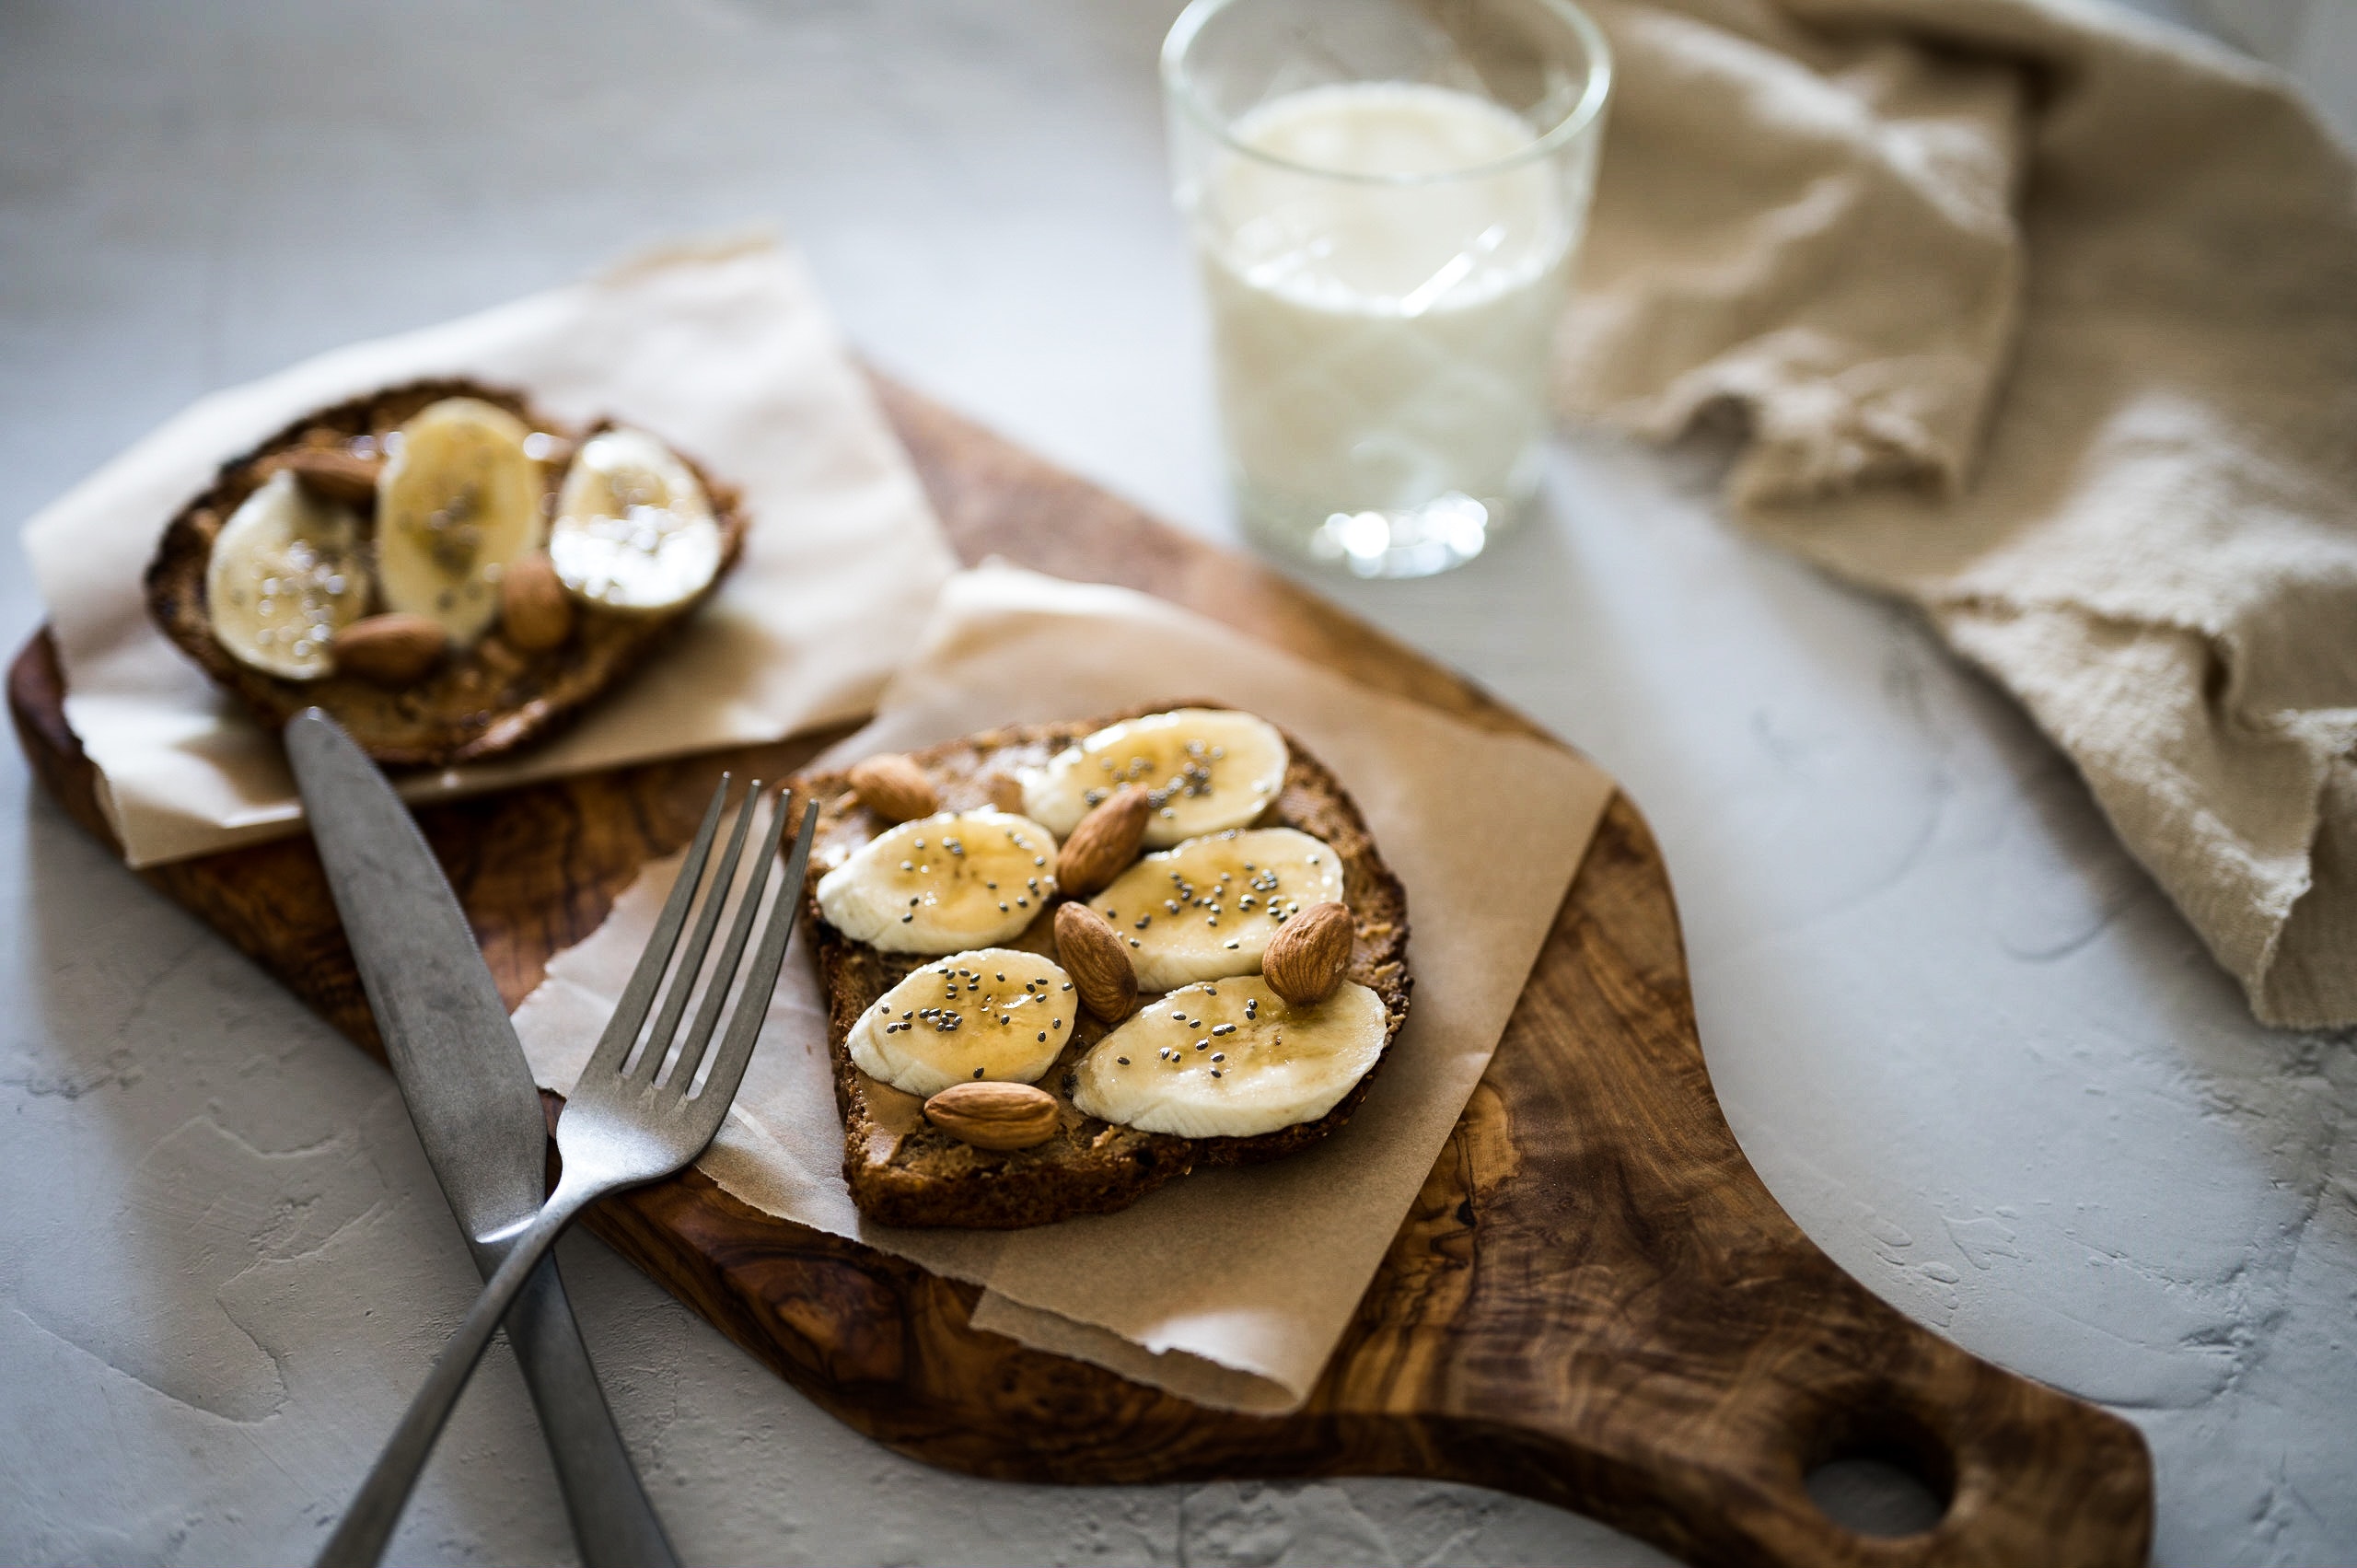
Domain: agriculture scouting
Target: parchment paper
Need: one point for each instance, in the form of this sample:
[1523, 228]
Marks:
[724, 350]
[1232, 1286]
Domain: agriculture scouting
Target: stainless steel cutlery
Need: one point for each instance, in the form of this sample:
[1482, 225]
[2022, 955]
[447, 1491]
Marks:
[647, 1103]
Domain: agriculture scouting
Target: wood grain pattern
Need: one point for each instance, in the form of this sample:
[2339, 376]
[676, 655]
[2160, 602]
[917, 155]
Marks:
[1594, 1302]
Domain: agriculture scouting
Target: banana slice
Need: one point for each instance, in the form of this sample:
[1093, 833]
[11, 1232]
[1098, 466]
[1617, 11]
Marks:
[633, 531]
[994, 1013]
[1231, 1058]
[1207, 769]
[285, 575]
[457, 502]
[1207, 909]
[943, 883]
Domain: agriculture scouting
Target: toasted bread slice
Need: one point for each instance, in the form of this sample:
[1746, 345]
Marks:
[903, 1171]
[491, 699]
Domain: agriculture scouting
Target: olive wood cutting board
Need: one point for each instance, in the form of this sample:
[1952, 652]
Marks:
[1594, 1302]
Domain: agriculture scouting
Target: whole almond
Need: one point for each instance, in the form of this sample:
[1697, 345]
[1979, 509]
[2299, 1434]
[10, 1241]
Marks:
[535, 611]
[393, 650]
[1102, 844]
[1005, 792]
[1100, 969]
[333, 473]
[994, 1116]
[1306, 959]
[894, 788]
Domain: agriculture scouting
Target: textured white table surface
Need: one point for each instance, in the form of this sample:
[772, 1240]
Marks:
[1967, 1044]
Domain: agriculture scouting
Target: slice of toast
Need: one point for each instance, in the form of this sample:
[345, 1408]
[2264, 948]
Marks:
[490, 699]
[904, 1171]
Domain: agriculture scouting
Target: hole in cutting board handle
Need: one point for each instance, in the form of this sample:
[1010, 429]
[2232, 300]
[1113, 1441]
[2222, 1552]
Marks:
[1882, 1475]
[1870, 1496]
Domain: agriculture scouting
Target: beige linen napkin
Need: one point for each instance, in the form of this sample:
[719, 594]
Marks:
[724, 349]
[2046, 318]
[1231, 1287]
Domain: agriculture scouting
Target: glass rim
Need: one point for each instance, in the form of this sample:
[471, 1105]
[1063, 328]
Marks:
[1178, 83]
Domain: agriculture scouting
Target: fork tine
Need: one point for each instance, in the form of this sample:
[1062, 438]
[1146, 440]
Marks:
[724, 972]
[683, 979]
[614, 1045]
[760, 980]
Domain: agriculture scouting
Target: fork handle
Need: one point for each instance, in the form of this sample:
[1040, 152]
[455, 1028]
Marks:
[368, 1524]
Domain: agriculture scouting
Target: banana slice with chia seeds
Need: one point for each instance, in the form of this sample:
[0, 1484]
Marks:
[458, 501]
[1207, 908]
[1205, 769]
[633, 531]
[993, 1014]
[943, 883]
[286, 573]
[1231, 1058]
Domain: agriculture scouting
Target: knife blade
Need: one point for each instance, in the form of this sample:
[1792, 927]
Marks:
[477, 1110]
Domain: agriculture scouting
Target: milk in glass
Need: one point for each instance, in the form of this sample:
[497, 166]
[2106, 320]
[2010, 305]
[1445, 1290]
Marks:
[1384, 286]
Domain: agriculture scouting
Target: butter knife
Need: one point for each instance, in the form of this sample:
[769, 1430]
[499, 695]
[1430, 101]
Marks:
[470, 1094]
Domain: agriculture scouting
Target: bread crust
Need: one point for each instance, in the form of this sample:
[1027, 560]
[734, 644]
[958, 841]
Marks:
[493, 699]
[903, 1171]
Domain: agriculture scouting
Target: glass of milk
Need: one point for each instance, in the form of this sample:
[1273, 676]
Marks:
[1386, 198]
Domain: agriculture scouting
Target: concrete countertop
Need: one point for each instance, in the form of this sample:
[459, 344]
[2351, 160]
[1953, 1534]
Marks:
[1965, 1043]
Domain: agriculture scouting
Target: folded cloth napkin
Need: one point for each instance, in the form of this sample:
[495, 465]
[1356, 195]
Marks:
[2045, 317]
[723, 349]
[1233, 1286]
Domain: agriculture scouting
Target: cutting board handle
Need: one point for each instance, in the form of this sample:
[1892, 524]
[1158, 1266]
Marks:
[1634, 1303]
[2027, 1475]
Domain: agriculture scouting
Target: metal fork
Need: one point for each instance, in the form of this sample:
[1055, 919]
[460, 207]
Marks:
[621, 1126]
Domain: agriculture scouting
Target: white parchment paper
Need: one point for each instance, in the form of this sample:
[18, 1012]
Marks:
[1229, 1286]
[724, 350]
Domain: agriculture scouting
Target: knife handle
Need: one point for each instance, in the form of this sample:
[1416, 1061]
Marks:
[612, 1520]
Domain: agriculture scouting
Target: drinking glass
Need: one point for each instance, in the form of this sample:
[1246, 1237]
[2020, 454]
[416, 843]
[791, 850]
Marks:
[1385, 199]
